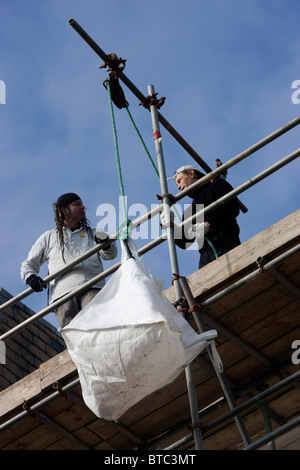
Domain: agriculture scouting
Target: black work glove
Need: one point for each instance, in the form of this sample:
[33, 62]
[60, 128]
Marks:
[100, 237]
[36, 283]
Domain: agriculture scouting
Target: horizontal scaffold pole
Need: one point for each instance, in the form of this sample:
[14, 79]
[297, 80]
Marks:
[146, 248]
[246, 407]
[144, 100]
[144, 218]
[139, 95]
[240, 189]
[166, 124]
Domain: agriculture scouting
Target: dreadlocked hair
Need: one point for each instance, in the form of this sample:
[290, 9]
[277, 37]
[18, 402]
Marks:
[59, 220]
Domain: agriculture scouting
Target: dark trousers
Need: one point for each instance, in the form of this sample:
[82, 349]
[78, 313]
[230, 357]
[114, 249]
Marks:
[67, 311]
[222, 244]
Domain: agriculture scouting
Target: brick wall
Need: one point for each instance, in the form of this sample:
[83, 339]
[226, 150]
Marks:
[32, 346]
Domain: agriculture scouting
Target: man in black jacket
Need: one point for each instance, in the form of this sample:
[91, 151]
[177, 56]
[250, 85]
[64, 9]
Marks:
[220, 228]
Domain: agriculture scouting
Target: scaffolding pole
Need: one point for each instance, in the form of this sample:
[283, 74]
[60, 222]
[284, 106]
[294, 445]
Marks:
[220, 374]
[221, 420]
[97, 49]
[256, 179]
[156, 118]
[144, 101]
[247, 406]
[174, 260]
[177, 197]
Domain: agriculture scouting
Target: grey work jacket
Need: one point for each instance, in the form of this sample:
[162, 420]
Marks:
[77, 242]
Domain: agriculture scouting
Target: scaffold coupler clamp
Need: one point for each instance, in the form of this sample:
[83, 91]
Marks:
[26, 407]
[114, 64]
[151, 100]
[115, 67]
[224, 172]
[161, 197]
[260, 264]
[58, 389]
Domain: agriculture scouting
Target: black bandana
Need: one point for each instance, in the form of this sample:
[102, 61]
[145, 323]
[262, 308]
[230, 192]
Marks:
[65, 199]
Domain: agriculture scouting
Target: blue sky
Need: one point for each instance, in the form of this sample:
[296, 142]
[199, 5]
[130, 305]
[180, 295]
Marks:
[225, 67]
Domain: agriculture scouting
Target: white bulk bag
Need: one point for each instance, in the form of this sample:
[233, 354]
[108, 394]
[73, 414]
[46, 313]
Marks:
[129, 341]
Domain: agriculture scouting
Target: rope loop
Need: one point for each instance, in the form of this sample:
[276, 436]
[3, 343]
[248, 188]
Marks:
[124, 230]
[116, 91]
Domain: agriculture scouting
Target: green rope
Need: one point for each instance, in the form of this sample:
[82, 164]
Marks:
[123, 230]
[121, 234]
[141, 139]
[212, 247]
[146, 149]
[157, 173]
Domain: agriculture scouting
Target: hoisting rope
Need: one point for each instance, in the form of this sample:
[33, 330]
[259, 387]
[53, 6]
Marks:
[141, 139]
[120, 101]
[123, 230]
[212, 247]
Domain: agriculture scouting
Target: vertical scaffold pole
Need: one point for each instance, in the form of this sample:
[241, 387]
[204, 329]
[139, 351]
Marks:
[174, 260]
[220, 374]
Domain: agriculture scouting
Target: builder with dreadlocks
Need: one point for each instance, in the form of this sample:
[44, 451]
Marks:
[71, 238]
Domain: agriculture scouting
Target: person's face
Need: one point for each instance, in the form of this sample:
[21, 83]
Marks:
[75, 212]
[183, 180]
